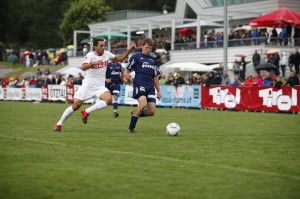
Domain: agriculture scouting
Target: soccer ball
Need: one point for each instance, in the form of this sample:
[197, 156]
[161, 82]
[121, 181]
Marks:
[173, 129]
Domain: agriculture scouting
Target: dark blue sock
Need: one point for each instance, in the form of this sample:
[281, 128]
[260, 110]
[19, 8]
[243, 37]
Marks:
[115, 105]
[133, 121]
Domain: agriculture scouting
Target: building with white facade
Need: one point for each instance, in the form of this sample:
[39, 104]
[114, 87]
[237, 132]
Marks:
[160, 25]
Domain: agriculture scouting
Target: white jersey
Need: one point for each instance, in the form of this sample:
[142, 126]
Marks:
[96, 76]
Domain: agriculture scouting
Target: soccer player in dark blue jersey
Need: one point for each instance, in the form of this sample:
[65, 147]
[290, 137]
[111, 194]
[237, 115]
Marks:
[113, 82]
[144, 83]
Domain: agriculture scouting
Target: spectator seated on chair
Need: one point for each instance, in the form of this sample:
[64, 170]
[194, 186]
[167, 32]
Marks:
[249, 81]
[268, 81]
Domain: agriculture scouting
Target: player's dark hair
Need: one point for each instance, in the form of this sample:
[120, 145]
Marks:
[95, 42]
[148, 41]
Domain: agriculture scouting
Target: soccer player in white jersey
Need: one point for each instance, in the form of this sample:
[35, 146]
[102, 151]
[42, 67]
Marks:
[145, 82]
[93, 84]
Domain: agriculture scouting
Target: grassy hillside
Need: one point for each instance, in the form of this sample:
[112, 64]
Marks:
[20, 69]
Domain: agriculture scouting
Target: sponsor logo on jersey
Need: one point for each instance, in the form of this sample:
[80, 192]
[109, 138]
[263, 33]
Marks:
[115, 72]
[147, 65]
[103, 64]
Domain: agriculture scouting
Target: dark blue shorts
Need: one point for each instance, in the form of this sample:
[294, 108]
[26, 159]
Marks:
[142, 91]
[114, 89]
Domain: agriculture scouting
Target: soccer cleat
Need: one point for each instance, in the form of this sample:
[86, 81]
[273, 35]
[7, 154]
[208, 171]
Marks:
[57, 128]
[130, 130]
[115, 114]
[85, 116]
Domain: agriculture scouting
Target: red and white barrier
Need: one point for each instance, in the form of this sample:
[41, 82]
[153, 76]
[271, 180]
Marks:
[271, 99]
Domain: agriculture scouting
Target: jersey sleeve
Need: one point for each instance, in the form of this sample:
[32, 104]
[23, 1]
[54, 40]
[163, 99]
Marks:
[88, 58]
[131, 63]
[111, 56]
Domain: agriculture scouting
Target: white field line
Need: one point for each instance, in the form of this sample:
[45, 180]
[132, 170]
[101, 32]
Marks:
[238, 169]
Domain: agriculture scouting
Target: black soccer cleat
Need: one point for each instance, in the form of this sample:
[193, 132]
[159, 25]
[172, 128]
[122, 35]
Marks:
[130, 130]
[115, 114]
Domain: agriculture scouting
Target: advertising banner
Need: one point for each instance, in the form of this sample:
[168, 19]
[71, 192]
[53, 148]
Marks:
[121, 99]
[128, 96]
[222, 97]
[181, 96]
[13, 94]
[285, 99]
[33, 94]
[44, 93]
[1, 93]
[56, 92]
[270, 99]
[70, 93]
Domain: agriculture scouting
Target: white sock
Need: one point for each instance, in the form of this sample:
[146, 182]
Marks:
[98, 105]
[65, 115]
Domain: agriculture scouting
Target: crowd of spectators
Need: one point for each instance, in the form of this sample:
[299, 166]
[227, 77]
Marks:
[39, 57]
[275, 76]
[221, 78]
[213, 39]
[242, 37]
[40, 79]
[272, 77]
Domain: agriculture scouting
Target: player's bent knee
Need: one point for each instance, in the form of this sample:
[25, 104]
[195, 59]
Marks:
[108, 101]
[75, 106]
[151, 114]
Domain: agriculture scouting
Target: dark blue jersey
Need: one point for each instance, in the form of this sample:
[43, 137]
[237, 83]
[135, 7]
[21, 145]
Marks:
[146, 67]
[113, 72]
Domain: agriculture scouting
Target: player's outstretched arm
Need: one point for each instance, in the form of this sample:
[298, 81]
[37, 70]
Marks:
[87, 66]
[120, 58]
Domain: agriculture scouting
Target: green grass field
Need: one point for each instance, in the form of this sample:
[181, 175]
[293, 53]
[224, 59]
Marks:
[218, 154]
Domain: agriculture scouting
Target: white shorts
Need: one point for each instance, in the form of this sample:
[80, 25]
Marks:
[84, 92]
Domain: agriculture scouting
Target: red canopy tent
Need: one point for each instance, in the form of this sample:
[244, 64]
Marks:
[186, 31]
[277, 18]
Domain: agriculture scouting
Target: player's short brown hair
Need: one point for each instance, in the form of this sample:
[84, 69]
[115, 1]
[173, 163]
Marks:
[148, 41]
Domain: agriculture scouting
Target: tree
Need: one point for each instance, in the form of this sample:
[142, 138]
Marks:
[31, 24]
[155, 5]
[80, 14]
[2, 49]
[41, 24]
